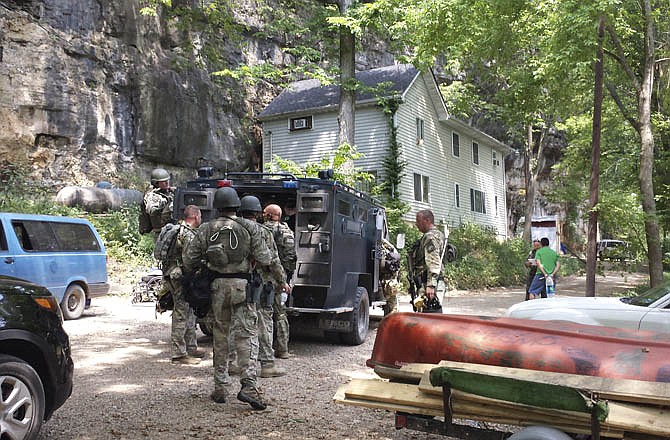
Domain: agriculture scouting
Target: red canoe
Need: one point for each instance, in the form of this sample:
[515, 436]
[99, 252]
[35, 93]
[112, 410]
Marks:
[558, 346]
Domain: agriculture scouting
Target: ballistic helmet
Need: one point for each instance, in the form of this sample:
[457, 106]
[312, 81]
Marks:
[226, 198]
[250, 204]
[159, 175]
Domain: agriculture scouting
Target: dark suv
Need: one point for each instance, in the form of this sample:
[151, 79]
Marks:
[35, 363]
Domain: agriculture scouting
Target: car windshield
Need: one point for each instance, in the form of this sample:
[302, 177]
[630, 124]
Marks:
[651, 295]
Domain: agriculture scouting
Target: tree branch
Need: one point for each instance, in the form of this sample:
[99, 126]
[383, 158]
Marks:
[621, 57]
[624, 111]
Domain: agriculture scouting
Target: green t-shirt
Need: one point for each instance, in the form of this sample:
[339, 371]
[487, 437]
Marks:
[548, 257]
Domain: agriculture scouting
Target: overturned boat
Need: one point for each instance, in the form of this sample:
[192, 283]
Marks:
[558, 346]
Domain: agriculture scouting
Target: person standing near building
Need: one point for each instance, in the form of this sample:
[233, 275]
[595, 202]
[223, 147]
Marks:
[531, 264]
[426, 257]
[230, 246]
[548, 265]
[157, 203]
[388, 275]
[285, 241]
[184, 348]
[270, 282]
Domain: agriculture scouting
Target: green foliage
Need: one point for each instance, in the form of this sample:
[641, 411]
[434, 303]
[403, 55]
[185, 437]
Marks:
[341, 162]
[483, 261]
[119, 231]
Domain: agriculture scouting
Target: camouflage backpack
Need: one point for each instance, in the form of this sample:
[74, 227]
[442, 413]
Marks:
[165, 242]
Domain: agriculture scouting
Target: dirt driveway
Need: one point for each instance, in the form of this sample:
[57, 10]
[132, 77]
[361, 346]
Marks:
[126, 387]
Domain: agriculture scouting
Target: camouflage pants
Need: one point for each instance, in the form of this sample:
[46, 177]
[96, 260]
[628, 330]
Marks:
[391, 289]
[281, 329]
[183, 337]
[265, 354]
[229, 307]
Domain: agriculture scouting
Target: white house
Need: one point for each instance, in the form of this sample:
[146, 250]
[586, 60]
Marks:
[452, 168]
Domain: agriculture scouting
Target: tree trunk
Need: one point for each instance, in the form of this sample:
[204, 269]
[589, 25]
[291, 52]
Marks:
[647, 152]
[346, 111]
[591, 250]
[531, 184]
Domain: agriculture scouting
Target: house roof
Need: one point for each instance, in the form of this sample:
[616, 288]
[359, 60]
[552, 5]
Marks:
[308, 94]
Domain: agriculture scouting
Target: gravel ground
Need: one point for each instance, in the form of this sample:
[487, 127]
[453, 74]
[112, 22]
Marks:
[126, 387]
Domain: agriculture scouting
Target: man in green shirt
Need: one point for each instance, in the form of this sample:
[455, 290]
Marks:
[548, 265]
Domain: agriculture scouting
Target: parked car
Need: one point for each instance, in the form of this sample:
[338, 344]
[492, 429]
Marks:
[64, 254]
[612, 250]
[35, 363]
[648, 311]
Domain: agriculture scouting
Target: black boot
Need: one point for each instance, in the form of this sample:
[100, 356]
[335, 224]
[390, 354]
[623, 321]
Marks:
[251, 395]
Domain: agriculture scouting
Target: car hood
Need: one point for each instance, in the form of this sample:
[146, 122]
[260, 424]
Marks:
[581, 303]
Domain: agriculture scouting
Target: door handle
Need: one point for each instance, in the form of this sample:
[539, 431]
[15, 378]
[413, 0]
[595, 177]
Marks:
[9, 260]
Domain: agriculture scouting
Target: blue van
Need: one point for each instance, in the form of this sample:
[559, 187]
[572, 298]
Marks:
[64, 254]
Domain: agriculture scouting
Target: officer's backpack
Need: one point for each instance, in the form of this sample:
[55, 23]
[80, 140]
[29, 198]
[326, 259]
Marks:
[165, 242]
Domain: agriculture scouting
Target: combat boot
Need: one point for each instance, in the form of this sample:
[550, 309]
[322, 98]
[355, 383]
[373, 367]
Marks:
[219, 395]
[282, 354]
[252, 395]
[197, 353]
[271, 370]
[185, 360]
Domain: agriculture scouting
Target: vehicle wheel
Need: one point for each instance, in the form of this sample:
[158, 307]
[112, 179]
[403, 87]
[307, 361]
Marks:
[540, 433]
[204, 328]
[22, 401]
[359, 318]
[74, 302]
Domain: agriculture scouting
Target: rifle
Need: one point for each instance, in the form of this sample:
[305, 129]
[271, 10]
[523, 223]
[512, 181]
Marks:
[414, 280]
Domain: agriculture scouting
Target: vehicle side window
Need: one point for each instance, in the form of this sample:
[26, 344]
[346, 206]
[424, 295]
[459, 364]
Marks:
[3, 239]
[344, 208]
[75, 237]
[35, 236]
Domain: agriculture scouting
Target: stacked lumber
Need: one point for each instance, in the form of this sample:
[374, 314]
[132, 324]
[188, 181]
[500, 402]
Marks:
[636, 409]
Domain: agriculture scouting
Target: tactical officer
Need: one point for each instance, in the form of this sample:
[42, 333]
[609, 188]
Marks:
[229, 246]
[184, 344]
[389, 272]
[269, 282]
[157, 203]
[285, 241]
[427, 256]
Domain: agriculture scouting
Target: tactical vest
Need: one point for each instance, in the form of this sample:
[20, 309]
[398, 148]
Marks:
[228, 246]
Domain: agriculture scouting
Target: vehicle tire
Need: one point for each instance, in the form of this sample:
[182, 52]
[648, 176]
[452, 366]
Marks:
[74, 302]
[204, 328]
[22, 399]
[359, 319]
[540, 433]
[451, 253]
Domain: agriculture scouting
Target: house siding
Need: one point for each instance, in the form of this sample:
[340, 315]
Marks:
[303, 146]
[434, 158]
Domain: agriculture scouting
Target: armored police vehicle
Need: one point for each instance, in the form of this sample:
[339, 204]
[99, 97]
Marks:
[337, 234]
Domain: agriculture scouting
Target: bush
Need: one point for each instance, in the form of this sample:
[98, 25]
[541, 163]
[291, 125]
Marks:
[483, 261]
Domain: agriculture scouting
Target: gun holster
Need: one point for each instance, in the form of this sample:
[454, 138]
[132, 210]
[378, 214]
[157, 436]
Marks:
[254, 289]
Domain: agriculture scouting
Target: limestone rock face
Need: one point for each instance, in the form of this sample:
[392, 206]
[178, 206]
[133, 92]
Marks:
[90, 90]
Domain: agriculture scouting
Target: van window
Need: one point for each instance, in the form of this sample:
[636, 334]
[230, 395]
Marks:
[55, 237]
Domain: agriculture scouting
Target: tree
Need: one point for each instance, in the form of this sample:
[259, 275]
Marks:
[539, 55]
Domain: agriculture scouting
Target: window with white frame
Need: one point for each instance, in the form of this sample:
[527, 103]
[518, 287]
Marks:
[475, 153]
[421, 188]
[419, 131]
[455, 144]
[496, 162]
[457, 195]
[477, 201]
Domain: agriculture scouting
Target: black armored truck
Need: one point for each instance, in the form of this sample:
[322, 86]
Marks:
[338, 232]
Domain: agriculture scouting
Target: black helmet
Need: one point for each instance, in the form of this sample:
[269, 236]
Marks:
[225, 198]
[159, 175]
[250, 204]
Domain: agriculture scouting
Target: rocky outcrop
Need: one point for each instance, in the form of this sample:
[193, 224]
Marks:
[90, 90]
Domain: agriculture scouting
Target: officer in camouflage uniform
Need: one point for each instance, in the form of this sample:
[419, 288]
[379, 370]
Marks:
[285, 241]
[229, 246]
[389, 272]
[157, 203]
[427, 261]
[184, 344]
[271, 281]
